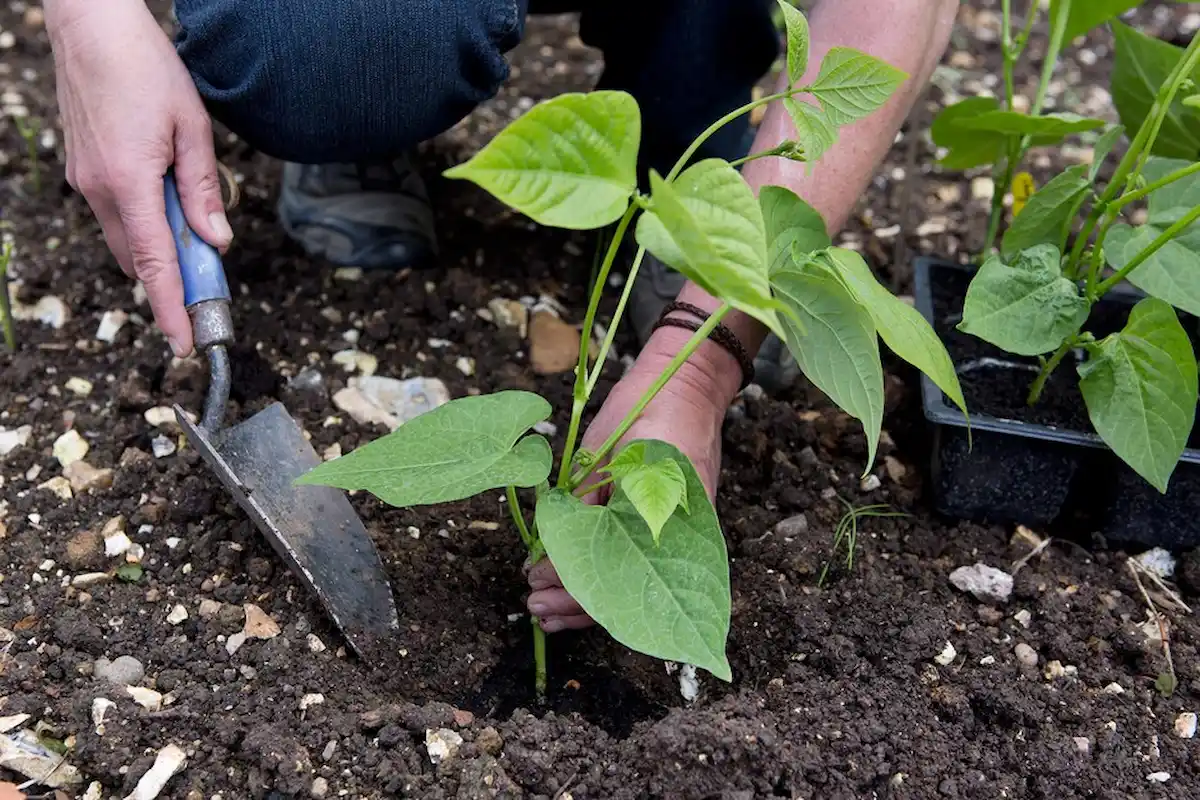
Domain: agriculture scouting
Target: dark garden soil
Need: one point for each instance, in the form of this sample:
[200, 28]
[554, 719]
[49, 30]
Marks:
[844, 691]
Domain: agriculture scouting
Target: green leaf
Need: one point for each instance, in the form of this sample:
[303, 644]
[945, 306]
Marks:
[837, 348]
[789, 222]
[628, 459]
[1141, 65]
[1104, 145]
[453, 452]
[1140, 389]
[903, 329]
[669, 600]
[966, 148]
[1013, 123]
[797, 41]
[1047, 217]
[1192, 101]
[707, 224]
[130, 573]
[569, 162]
[852, 84]
[1087, 14]
[1172, 273]
[814, 129]
[1026, 307]
[656, 490]
[1166, 684]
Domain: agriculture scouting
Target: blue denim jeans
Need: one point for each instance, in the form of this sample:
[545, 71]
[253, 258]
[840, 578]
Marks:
[320, 81]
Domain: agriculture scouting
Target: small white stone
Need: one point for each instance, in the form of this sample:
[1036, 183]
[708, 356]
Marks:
[985, 583]
[110, 325]
[333, 451]
[348, 274]
[160, 416]
[79, 386]
[146, 698]
[1082, 744]
[947, 656]
[315, 645]
[100, 707]
[931, 227]
[162, 446]
[90, 579]
[352, 360]
[870, 483]
[70, 447]
[689, 684]
[1114, 688]
[59, 486]
[235, 642]
[169, 760]
[982, 188]
[209, 608]
[1158, 562]
[441, 744]
[1023, 617]
[1158, 777]
[1026, 655]
[310, 700]
[1185, 725]
[465, 365]
[12, 439]
[117, 544]
[545, 428]
[987, 661]
[178, 614]
[172, 542]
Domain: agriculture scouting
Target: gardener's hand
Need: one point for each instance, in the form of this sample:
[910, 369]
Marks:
[687, 413]
[130, 111]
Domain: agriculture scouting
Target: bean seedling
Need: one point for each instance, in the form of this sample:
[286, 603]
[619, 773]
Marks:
[6, 317]
[650, 566]
[29, 132]
[1034, 296]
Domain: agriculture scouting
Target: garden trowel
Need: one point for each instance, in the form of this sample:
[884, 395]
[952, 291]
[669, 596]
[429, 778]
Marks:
[313, 528]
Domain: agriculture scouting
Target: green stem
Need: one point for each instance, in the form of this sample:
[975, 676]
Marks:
[610, 336]
[591, 487]
[716, 126]
[1141, 143]
[539, 659]
[1170, 178]
[1009, 54]
[1023, 39]
[998, 192]
[581, 393]
[10, 334]
[514, 509]
[1039, 383]
[1170, 233]
[682, 356]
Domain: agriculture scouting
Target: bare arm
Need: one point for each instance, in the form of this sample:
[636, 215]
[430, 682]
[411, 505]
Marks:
[908, 34]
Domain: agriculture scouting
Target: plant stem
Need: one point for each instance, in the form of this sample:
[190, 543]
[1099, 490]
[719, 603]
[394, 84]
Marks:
[539, 659]
[716, 126]
[611, 334]
[591, 487]
[1141, 143]
[1130, 197]
[1039, 383]
[998, 192]
[581, 392]
[1170, 233]
[6, 320]
[1009, 55]
[514, 509]
[682, 356]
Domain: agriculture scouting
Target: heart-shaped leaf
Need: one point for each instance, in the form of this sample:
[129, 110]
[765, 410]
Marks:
[569, 162]
[1087, 14]
[670, 600]
[790, 222]
[707, 224]
[1140, 387]
[1013, 123]
[837, 348]
[966, 148]
[1025, 307]
[1047, 217]
[815, 131]
[1140, 66]
[656, 490]
[455, 451]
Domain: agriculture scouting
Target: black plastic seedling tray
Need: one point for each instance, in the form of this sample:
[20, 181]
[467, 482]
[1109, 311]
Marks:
[1013, 471]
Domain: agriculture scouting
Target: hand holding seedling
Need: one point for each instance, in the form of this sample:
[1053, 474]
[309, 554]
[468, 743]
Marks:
[649, 564]
[131, 112]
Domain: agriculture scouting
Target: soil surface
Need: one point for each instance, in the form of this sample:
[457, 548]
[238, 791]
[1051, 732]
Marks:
[883, 681]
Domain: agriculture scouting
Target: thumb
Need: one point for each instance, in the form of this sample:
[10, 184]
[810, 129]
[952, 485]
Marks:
[199, 183]
[143, 212]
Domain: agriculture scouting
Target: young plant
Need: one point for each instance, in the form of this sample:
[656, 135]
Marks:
[6, 318]
[650, 566]
[847, 532]
[1034, 297]
[29, 132]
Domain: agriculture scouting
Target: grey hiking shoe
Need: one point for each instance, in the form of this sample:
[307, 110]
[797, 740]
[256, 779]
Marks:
[374, 216]
[657, 285]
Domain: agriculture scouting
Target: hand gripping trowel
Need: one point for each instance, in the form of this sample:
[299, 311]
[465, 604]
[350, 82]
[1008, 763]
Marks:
[313, 528]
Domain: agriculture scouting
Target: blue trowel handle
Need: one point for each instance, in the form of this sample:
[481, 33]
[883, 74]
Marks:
[205, 291]
[199, 262]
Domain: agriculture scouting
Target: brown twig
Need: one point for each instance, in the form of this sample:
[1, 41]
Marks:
[1023, 560]
[1134, 569]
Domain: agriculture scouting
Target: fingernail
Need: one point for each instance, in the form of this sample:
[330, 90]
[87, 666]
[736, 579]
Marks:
[538, 609]
[220, 226]
[552, 625]
[176, 347]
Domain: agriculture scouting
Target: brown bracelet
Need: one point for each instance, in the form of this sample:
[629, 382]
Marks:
[720, 335]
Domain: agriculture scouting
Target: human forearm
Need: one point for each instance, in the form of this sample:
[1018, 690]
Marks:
[911, 36]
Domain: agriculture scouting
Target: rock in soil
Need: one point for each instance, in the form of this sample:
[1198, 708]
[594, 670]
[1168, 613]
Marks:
[987, 584]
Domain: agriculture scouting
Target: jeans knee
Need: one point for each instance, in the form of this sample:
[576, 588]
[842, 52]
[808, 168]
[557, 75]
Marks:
[327, 81]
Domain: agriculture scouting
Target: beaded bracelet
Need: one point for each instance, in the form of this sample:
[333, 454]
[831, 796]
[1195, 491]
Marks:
[720, 335]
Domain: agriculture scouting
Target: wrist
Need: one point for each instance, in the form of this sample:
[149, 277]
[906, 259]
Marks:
[711, 374]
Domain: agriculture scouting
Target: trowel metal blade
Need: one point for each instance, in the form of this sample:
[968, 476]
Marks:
[313, 528]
